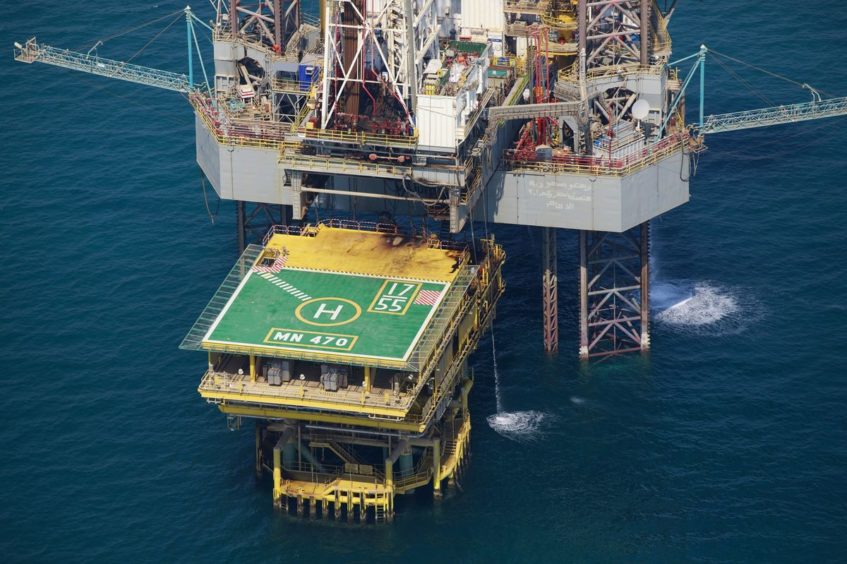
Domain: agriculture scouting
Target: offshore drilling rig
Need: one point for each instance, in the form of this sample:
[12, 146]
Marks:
[348, 341]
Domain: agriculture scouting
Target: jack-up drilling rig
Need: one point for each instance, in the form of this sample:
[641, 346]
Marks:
[547, 113]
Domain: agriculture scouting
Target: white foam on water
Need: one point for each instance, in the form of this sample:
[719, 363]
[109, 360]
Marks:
[515, 425]
[576, 400]
[518, 425]
[707, 305]
[704, 308]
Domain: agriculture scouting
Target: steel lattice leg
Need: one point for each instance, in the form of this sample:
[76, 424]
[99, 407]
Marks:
[550, 291]
[614, 292]
[239, 226]
[254, 220]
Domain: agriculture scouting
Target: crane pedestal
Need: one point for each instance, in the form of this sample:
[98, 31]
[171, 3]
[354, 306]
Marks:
[614, 292]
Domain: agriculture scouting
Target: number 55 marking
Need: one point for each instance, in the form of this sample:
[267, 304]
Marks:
[394, 297]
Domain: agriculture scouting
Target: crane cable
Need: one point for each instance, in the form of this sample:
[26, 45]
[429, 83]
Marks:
[136, 28]
[766, 71]
[155, 37]
[746, 83]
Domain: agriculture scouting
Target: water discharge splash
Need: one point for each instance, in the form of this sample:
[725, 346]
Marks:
[704, 308]
[516, 425]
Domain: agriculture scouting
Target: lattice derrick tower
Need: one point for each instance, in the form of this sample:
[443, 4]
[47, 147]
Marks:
[374, 55]
[271, 22]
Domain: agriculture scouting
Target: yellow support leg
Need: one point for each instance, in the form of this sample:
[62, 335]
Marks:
[466, 390]
[252, 368]
[368, 379]
[277, 474]
[436, 467]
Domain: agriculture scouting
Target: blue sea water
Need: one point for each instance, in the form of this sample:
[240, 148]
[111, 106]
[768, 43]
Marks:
[727, 443]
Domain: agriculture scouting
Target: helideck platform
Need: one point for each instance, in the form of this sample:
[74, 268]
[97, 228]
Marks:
[363, 296]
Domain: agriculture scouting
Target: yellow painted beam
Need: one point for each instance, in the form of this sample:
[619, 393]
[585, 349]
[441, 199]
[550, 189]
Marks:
[303, 403]
[281, 413]
[368, 379]
[253, 368]
[466, 390]
[313, 356]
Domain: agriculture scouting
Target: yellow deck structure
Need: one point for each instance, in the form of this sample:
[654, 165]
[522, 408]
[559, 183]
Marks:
[371, 253]
[348, 345]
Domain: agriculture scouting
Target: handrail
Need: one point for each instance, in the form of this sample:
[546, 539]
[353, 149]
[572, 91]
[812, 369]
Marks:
[571, 74]
[603, 165]
[361, 137]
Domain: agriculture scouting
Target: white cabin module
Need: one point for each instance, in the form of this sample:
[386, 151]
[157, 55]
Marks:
[482, 16]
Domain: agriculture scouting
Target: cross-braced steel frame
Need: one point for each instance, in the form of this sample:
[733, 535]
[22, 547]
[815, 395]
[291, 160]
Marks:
[268, 21]
[614, 292]
[252, 220]
[550, 291]
[615, 32]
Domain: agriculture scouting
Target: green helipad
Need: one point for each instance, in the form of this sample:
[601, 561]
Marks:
[326, 312]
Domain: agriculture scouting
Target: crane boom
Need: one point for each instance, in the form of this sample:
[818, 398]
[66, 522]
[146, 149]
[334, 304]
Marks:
[32, 52]
[764, 117]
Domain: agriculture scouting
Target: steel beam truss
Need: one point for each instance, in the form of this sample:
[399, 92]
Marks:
[764, 117]
[32, 52]
[614, 292]
[614, 33]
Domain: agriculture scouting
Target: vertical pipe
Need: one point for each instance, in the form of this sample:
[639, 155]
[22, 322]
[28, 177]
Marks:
[252, 368]
[583, 295]
[368, 377]
[233, 18]
[328, 72]
[239, 225]
[277, 474]
[389, 473]
[277, 24]
[411, 65]
[436, 467]
[702, 82]
[645, 286]
[645, 32]
[582, 29]
[188, 38]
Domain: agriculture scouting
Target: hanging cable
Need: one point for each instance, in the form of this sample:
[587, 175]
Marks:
[136, 28]
[746, 83]
[155, 37]
[212, 216]
[766, 71]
